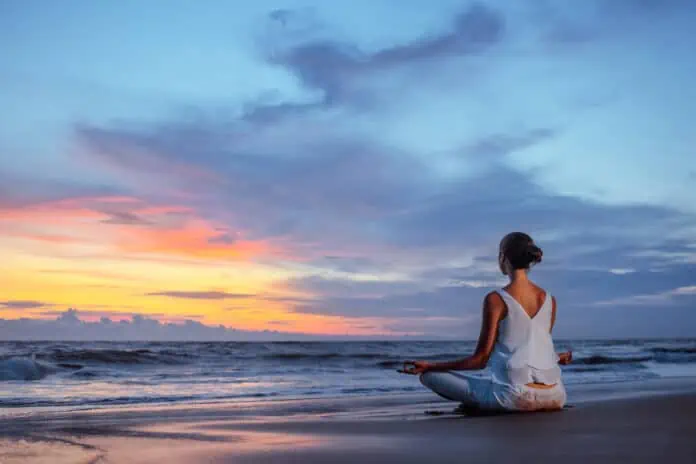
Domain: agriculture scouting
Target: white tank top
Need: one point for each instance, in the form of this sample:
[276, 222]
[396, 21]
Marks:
[524, 352]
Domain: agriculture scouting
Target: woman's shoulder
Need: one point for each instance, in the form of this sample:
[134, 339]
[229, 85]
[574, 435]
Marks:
[541, 292]
[493, 300]
[494, 306]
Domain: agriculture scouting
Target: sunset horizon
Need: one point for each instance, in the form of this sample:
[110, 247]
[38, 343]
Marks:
[345, 171]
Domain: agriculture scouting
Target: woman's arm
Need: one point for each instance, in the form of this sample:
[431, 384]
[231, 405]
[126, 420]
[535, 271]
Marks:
[566, 357]
[493, 312]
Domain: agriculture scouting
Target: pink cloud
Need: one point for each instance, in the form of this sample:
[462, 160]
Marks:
[131, 225]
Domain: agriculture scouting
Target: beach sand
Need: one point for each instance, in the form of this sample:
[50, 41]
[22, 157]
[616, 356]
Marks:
[649, 423]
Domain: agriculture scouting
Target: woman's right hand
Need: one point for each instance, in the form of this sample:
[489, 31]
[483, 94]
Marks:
[565, 358]
[419, 367]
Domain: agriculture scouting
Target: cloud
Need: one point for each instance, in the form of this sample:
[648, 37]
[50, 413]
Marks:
[446, 301]
[21, 192]
[341, 186]
[74, 325]
[337, 196]
[130, 225]
[205, 295]
[352, 207]
[598, 20]
[23, 304]
[337, 68]
[193, 239]
[316, 189]
[675, 296]
[92, 315]
[500, 145]
[124, 218]
[590, 301]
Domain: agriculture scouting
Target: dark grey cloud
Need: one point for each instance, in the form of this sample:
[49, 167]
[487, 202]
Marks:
[202, 295]
[500, 145]
[344, 74]
[23, 304]
[334, 67]
[224, 238]
[125, 218]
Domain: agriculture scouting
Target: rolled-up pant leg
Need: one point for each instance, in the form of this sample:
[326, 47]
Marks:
[453, 386]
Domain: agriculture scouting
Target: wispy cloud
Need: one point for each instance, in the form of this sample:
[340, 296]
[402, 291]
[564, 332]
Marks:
[654, 300]
[129, 225]
[24, 304]
[201, 295]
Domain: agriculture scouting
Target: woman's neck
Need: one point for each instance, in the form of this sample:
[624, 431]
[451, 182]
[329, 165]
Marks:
[519, 275]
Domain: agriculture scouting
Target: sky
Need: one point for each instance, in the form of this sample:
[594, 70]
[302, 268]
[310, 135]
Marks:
[312, 168]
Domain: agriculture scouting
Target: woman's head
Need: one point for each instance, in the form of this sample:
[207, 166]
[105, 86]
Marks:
[518, 251]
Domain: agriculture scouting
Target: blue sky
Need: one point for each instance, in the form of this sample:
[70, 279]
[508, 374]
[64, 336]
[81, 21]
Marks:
[350, 167]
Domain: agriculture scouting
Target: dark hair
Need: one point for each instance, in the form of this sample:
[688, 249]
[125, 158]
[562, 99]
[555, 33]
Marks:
[520, 250]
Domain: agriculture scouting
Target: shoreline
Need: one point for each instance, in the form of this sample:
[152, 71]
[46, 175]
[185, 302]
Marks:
[578, 393]
[386, 428]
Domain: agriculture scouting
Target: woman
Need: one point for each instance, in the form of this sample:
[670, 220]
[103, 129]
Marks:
[515, 342]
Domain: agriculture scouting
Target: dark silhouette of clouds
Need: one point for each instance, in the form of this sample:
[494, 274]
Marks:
[70, 326]
[109, 314]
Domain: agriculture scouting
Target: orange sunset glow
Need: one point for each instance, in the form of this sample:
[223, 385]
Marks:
[112, 256]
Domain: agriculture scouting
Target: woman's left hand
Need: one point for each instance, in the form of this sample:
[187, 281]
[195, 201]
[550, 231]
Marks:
[565, 358]
[418, 367]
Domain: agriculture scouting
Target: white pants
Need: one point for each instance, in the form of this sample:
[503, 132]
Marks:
[483, 393]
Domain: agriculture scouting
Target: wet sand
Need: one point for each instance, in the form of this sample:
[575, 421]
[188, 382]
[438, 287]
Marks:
[649, 423]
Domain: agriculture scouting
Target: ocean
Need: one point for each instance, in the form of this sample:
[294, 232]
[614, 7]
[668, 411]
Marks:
[92, 374]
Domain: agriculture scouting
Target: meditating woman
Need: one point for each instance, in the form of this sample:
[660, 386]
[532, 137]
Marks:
[515, 342]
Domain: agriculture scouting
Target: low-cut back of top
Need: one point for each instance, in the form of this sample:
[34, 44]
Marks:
[524, 352]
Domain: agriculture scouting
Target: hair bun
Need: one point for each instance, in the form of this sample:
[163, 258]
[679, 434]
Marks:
[535, 253]
[520, 251]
